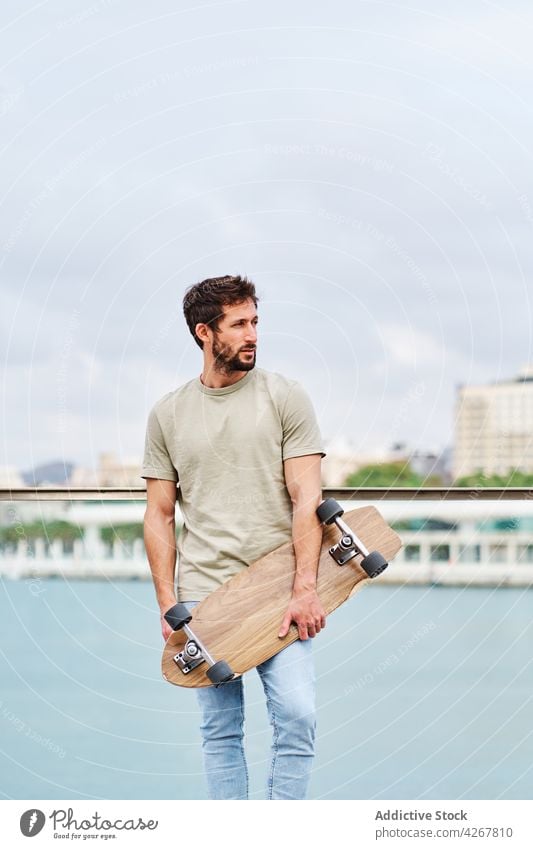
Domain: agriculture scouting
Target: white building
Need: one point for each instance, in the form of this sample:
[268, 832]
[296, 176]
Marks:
[342, 460]
[494, 427]
[10, 478]
[111, 471]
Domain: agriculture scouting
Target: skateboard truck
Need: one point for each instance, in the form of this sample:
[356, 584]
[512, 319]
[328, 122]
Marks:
[194, 652]
[349, 545]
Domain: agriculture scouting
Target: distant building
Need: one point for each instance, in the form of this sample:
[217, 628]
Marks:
[111, 471]
[494, 427]
[428, 463]
[343, 460]
[115, 472]
[10, 478]
[83, 477]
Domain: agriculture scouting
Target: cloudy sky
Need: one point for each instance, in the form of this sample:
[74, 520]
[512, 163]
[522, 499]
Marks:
[368, 164]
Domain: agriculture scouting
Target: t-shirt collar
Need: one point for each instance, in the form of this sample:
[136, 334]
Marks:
[226, 390]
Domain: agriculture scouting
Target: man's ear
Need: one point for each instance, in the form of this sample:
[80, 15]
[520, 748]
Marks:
[202, 331]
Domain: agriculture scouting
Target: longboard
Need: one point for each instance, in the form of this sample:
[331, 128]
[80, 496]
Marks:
[236, 627]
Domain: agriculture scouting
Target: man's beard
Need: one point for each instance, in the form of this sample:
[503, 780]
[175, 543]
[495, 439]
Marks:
[226, 362]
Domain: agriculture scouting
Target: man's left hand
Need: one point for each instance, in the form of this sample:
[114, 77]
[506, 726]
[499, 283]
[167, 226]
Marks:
[306, 611]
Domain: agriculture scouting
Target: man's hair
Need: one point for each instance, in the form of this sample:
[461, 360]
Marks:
[204, 302]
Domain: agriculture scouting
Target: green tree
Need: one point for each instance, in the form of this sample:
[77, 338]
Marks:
[396, 473]
[125, 532]
[48, 530]
[479, 479]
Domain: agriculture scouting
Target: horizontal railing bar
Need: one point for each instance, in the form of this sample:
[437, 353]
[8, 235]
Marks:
[430, 493]
[134, 493]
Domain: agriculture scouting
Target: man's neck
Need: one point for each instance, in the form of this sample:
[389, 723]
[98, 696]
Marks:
[213, 379]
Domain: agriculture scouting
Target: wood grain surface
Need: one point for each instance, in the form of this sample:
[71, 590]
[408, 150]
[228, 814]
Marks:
[240, 621]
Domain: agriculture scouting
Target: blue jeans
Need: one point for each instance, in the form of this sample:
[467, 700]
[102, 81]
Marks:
[288, 680]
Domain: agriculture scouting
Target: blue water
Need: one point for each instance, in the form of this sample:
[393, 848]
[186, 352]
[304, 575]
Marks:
[423, 693]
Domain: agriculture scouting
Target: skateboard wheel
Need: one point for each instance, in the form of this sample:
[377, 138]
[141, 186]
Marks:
[220, 673]
[178, 616]
[329, 510]
[373, 564]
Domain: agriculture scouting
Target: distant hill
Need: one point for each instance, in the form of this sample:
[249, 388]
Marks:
[56, 473]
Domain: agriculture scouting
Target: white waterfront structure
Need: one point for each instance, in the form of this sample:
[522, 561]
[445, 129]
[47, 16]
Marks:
[458, 543]
[494, 427]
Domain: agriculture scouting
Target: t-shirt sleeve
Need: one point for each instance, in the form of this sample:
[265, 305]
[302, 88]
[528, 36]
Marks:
[301, 434]
[156, 461]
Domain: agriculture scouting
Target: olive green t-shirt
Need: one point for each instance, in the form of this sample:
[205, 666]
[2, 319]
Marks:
[226, 449]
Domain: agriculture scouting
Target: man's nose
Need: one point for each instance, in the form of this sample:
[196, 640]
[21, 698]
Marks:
[251, 333]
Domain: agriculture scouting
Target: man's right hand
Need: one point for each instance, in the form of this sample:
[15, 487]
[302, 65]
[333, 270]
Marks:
[166, 630]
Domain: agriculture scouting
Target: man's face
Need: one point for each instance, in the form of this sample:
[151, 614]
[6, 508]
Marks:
[235, 342]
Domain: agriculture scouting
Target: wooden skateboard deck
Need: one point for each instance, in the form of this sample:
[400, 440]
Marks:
[240, 621]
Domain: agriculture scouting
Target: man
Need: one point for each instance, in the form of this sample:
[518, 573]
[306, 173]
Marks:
[244, 445]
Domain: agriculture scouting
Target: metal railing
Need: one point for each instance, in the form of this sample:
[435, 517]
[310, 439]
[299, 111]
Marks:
[400, 493]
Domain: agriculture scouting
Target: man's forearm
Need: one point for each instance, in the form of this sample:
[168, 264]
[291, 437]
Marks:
[307, 540]
[160, 544]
